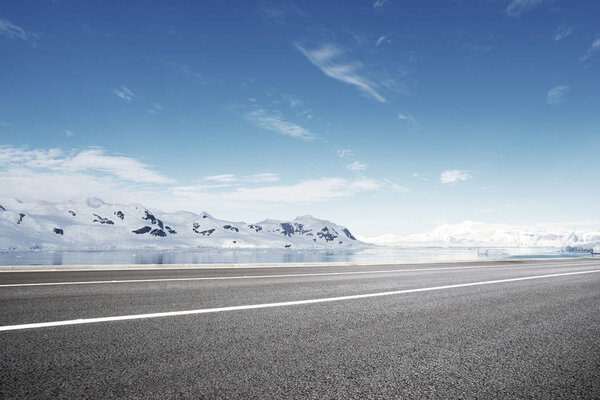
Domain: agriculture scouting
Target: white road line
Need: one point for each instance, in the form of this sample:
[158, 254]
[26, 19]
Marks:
[281, 304]
[214, 278]
[162, 267]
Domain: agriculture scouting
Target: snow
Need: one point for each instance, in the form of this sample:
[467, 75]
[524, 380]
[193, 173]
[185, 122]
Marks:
[480, 234]
[92, 224]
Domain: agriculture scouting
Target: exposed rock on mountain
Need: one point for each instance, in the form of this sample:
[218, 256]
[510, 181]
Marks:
[85, 225]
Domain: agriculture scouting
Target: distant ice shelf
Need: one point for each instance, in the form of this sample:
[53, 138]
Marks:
[479, 234]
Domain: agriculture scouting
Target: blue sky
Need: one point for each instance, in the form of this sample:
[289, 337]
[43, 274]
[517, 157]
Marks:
[388, 116]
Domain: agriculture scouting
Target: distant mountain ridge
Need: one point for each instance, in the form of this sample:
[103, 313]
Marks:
[92, 224]
[479, 234]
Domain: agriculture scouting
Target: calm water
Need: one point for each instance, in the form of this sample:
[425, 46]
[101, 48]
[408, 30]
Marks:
[374, 254]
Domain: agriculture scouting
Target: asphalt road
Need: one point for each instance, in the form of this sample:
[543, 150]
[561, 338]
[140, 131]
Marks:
[527, 329]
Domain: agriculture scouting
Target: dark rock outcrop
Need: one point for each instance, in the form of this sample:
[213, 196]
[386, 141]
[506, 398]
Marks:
[153, 219]
[327, 235]
[158, 232]
[120, 214]
[142, 230]
[255, 228]
[287, 229]
[102, 220]
[299, 228]
[58, 231]
[348, 234]
[21, 216]
[231, 228]
[207, 232]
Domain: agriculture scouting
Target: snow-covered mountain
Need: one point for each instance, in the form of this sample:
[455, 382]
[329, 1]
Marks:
[479, 234]
[92, 224]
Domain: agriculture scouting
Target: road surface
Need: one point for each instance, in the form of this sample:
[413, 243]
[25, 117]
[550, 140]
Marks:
[513, 329]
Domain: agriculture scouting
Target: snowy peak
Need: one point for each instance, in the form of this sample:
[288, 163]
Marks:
[478, 234]
[94, 224]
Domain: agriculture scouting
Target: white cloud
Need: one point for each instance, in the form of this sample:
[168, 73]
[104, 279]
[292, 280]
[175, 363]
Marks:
[326, 58]
[357, 166]
[562, 32]
[405, 117]
[313, 190]
[394, 187]
[517, 7]
[36, 175]
[92, 161]
[342, 153]
[453, 176]
[265, 177]
[274, 121]
[382, 39]
[13, 31]
[591, 50]
[69, 133]
[307, 191]
[224, 178]
[124, 93]
[378, 4]
[556, 95]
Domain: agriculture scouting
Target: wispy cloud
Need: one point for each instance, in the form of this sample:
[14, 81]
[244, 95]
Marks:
[327, 59]
[35, 174]
[292, 101]
[591, 50]
[343, 153]
[69, 133]
[453, 176]
[562, 32]
[476, 47]
[378, 4]
[283, 13]
[394, 187]
[405, 117]
[189, 72]
[419, 176]
[223, 178]
[274, 121]
[556, 95]
[124, 93]
[517, 7]
[13, 31]
[381, 40]
[357, 166]
[265, 177]
[93, 160]
[313, 190]
[154, 108]
[409, 119]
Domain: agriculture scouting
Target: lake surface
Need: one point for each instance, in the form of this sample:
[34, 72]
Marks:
[207, 256]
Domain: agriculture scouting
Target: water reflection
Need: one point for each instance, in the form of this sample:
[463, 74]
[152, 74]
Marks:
[368, 255]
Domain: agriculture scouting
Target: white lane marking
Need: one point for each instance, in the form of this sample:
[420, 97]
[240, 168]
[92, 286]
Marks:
[162, 267]
[280, 304]
[214, 278]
